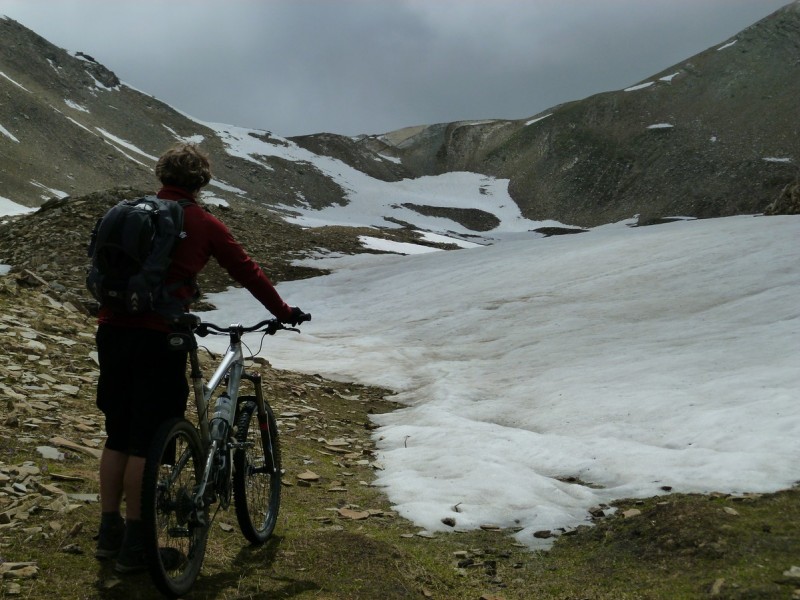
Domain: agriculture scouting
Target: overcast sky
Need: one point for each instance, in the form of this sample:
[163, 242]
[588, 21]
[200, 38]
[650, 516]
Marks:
[295, 67]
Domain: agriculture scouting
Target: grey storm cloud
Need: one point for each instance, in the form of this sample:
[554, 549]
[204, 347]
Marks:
[369, 66]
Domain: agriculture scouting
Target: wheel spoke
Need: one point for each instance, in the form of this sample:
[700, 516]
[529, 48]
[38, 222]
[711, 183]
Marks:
[176, 526]
[256, 474]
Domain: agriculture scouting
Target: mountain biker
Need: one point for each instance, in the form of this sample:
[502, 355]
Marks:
[142, 381]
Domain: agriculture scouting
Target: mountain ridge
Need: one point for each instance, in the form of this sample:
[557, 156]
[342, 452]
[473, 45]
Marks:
[714, 135]
[695, 138]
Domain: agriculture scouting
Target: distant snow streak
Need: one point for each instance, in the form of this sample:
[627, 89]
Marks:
[99, 85]
[382, 245]
[641, 86]
[9, 207]
[537, 119]
[20, 86]
[8, 134]
[125, 144]
[227, 187]
[81, 126]
[75, 105]
[51, 191]
[191, 139]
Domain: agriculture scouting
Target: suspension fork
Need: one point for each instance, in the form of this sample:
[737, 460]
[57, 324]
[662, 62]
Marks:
[263, 417]
[255, 379]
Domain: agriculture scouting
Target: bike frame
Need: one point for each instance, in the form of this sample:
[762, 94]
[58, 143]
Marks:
[231, 367]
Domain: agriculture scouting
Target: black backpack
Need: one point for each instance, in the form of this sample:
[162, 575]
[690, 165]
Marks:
[131, 249]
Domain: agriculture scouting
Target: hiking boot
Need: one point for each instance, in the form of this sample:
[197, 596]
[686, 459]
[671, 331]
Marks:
[109, 538]
[131, 554]
[130, 559]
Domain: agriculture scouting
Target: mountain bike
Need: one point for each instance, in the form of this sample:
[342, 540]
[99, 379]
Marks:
[232, 453]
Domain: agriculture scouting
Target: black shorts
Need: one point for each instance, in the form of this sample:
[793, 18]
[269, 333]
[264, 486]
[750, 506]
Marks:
[142, 384]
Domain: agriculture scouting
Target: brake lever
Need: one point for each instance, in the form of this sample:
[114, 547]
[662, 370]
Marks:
[275, 327]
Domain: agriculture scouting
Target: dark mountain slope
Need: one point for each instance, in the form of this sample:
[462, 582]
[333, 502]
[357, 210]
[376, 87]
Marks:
[71, 127]
[716, 135]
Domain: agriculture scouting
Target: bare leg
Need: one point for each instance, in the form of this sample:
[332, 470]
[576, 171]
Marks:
[120, 473]
[112, 474]
[133, 487]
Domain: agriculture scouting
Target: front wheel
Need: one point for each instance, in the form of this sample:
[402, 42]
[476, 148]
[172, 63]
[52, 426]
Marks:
[175, 524]
[256, 472]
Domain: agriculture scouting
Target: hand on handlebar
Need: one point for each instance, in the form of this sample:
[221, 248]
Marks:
[297, 317]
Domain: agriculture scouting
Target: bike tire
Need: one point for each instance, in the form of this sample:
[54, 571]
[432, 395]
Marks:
[256, 473]
[175, 530]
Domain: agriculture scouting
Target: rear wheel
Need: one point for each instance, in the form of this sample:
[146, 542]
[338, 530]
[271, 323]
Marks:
[256, 472]
[175, 528]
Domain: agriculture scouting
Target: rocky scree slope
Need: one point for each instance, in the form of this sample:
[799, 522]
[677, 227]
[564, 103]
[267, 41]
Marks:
[52, 436]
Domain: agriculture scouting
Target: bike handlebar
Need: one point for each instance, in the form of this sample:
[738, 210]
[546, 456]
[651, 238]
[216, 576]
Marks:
[269, 326]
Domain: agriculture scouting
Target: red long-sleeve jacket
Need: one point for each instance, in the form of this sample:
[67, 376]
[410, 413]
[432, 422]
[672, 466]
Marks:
[206, 236]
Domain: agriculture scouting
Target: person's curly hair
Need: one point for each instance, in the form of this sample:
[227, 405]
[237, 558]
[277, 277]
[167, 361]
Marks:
[185, 166]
